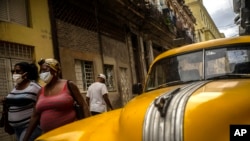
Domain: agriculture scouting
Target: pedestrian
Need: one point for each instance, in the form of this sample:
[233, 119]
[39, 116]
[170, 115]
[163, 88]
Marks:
[21, 100]
[97, 96]
[54, 107]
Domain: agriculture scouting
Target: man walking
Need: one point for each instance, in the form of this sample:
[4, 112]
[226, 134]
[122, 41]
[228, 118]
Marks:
[97, 96]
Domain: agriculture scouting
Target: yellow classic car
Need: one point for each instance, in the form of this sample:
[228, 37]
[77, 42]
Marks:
[197, 92]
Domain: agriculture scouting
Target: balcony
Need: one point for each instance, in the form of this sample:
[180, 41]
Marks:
[115, 14]
[152, 14]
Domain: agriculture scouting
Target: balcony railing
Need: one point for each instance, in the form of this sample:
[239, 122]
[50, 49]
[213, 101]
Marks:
[152, 13]
[163, 17]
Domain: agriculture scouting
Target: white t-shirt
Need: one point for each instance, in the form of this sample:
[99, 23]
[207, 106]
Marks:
[95, 93]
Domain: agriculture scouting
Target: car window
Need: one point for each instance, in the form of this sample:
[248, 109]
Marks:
[227, 60]
[216, 63]
[185, 67]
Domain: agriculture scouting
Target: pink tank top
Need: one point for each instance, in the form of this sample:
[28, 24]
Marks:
[56, 110]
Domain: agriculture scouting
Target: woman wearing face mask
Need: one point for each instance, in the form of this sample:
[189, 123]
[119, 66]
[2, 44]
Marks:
[54, 107]
[21, 100]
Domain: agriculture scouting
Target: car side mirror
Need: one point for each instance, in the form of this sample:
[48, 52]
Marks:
[137, 88]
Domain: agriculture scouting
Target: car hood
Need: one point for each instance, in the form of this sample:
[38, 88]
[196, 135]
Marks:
[197, 111]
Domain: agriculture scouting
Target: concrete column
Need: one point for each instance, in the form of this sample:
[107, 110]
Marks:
[143, 63]
[150, 52]
[131, 53]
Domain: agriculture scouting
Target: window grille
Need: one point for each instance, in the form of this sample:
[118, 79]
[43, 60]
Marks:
[13, 50]
[3, 78]
[109, 72]
[84, 74]
[14, 11]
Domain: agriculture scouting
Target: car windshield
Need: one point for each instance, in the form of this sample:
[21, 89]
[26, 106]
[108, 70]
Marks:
[216, 63]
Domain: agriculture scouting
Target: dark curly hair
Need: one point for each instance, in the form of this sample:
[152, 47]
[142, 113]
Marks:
[30, 68]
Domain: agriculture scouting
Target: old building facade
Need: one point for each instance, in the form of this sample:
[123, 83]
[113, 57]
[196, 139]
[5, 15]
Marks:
[117, 38]
[205, 28]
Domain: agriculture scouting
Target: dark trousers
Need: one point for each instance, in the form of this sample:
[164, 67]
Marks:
[94, 113]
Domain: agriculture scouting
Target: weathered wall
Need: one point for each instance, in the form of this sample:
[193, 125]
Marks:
[79, 43]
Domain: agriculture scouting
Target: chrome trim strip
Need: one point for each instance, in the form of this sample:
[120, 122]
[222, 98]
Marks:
[170, 126]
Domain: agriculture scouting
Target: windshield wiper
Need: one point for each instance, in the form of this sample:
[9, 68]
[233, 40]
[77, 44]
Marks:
[175, 83]
[171, 83]
[229, 76]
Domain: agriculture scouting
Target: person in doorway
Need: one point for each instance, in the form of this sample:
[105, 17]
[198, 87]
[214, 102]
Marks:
[21, 100]
[54, 107]
[97, 96]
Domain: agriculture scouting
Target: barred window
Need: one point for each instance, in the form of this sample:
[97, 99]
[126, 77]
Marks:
[109, 72]
[14, 50]
[10, 54]
[14, 11]
[84, 74]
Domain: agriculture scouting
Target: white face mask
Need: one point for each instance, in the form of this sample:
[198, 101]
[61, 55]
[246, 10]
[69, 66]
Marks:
[46, 77]
[17, 78]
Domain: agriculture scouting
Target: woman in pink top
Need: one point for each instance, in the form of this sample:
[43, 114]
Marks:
[54, 107]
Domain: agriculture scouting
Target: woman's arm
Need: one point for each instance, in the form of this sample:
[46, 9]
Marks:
[32, 125]
[34, 121]
[79, 99]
